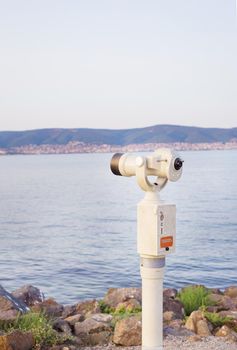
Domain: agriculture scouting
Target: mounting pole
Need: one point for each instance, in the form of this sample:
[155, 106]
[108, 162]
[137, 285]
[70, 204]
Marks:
[156, 232]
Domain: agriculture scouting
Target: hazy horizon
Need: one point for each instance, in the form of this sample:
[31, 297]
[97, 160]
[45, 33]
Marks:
[117, 65]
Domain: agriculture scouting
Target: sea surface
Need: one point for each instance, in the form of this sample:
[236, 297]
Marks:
[68, 225]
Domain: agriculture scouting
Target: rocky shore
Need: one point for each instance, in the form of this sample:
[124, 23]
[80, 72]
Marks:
[29, 321]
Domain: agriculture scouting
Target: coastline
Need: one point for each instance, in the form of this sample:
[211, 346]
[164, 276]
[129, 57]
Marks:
[115, 321]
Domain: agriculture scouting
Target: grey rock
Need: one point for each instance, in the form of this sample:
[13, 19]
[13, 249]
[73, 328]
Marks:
[62, 326]
[90, 326]
[10, 306]
[228, 313]
[128, 332]
[224, 302]
[92, 332]
[213, 309]
[69, 310]
[102, 338]
[177, 332]
[215, 291]
[168, 316]
[177, 329]
[224, 331]
[173, 305]
[17, 340]
[50, 307]
[170, 293]
[115, 296]
[231, 291]
[74, 319]
[29, 295]
[215, 298]
[202, 328]
[191, 322]
[88, 307]
[105, 318]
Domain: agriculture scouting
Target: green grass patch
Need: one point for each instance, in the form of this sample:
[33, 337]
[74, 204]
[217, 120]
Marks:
[217, 320]
[39, 325]
[123, 311]
[194, 297]
[106, 309]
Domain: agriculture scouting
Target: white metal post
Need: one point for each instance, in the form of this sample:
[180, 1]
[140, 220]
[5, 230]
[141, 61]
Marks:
[156, 222]
[152, 273]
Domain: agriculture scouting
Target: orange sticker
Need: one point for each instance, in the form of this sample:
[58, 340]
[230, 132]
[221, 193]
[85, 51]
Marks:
[166, 241]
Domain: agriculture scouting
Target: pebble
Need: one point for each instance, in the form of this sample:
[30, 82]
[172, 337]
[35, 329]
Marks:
[180, 343]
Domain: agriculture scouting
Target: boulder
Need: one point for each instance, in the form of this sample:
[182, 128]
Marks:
[215, 291]
[62, 326]
[101, 338]
[216, 299]
[202, 328]
[95, 330]
[168, 316]
[228, 313]
[10, 306]
[128, 332]
[231, 292]
[176, 328]
[229, 303]
[74, 319]
[50, 307]
[17, 340]
[29, 295]
[213, 309]
[91, 325]
[102, 318]
[177, 332]
[87, 308]
[197, 323]
[176, 323]
[190, 324]
[169, 304]
[193, 319]
[69, 310]
[170, 293]
[223, 331]
[115, 296]
[223, 302]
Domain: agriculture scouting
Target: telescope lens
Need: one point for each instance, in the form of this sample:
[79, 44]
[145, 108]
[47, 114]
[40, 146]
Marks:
[114, 164]
[178, 163]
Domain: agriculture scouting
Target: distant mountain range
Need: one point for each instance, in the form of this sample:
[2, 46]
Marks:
[123, 137]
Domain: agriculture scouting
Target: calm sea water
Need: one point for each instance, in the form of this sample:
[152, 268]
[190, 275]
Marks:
[68, 226]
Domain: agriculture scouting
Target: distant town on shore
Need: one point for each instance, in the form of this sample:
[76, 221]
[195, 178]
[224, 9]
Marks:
[80, 147]
[68, 141]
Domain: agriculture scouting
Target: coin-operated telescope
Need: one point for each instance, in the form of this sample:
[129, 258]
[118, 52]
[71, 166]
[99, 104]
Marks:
[156, 231]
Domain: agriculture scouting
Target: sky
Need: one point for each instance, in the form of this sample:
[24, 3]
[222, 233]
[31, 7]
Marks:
[117, 64]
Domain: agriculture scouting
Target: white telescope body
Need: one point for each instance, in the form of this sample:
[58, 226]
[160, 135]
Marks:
[156, 231]
[163, 163]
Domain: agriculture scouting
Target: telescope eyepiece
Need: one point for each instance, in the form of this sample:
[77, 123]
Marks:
[178, 163]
